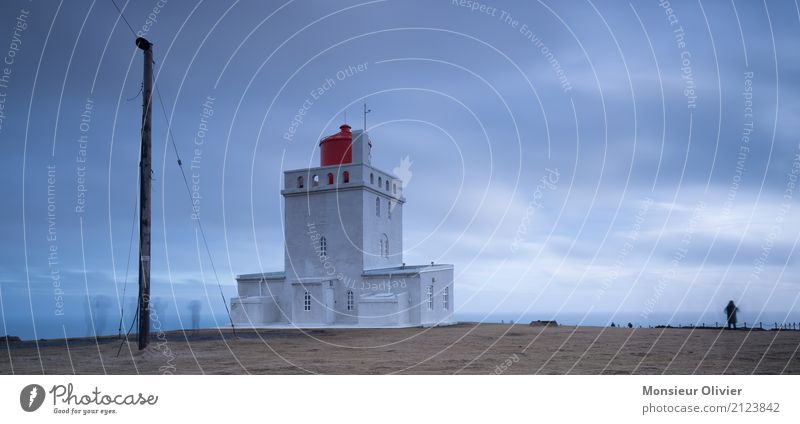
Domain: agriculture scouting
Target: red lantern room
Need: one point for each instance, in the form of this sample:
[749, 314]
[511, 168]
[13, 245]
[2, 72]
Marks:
[337, 149]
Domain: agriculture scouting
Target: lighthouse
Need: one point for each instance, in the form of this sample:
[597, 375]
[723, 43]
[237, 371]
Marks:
[343, 251]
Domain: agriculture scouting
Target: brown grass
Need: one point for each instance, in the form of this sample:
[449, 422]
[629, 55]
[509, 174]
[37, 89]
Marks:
[464, 348]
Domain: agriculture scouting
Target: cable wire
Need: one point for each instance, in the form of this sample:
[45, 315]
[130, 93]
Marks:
[122, 15]
[189, 193]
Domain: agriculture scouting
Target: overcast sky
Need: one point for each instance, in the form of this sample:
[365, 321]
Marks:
[666, 135]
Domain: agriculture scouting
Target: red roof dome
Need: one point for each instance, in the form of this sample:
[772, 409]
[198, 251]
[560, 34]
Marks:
[337, 149]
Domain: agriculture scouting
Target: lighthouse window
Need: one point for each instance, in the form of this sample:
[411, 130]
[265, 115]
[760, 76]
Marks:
[430, 298]
[330, 178]
[323, 247]
[300, 182]
[372, 178]
[380, 181]
[351, 303]
[307, 301]
[315, 180]
[345, 177]
[389, 210]
[377, 206]
[385, 246]
[387, 185]
[445, 297]
[394, 188]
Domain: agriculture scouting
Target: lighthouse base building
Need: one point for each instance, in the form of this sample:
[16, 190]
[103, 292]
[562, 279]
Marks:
[343, 256]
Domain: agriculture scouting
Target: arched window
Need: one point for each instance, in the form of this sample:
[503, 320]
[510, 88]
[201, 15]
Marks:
[394, 188]
[445, 298]
[330, 178]
[323, 247]
[377, 206]
[389, 210]
[345, 177]
[315, 180]
[307, 301]
[371, 178]
[351, 301]
[430, 297]
[387, 185]
[380, 181]
[385, 246]
[381, 248]
[300, 182]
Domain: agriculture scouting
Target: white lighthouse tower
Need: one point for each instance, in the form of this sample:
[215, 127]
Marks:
[343, 256]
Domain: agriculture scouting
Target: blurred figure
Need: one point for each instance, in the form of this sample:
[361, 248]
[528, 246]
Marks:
[730, 314]
[96, 315]
[194, 309]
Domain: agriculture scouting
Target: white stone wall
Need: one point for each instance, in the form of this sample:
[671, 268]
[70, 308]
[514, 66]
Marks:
[333, 214]
[439, 280]
[384, 309]
[254, 310]
[317, 312]
[375, 227]
[361, 148]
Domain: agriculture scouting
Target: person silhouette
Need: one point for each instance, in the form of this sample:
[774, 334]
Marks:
[730, 314]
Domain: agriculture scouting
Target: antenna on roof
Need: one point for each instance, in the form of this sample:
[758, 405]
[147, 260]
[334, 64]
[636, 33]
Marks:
[366, 111]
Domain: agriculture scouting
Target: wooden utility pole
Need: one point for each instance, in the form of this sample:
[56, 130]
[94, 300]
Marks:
[145, 171]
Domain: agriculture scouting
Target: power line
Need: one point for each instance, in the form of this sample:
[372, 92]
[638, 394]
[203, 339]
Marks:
[122, 15]
[127, 268]
[189, 193]
[130, 245]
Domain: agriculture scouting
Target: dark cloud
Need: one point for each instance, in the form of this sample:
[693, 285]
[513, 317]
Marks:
[477, 104]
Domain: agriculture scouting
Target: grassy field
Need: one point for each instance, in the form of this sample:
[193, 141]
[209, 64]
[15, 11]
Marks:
[459, 349]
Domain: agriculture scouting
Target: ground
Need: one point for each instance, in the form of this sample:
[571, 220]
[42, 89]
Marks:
[458, 349]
